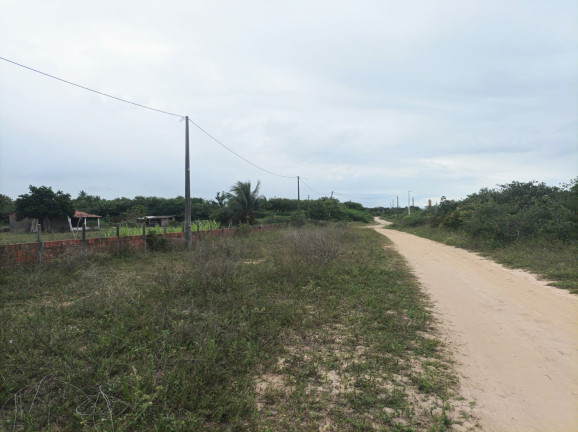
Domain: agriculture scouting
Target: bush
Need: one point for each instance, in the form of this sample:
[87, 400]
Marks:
[156, 242]
[244, 230]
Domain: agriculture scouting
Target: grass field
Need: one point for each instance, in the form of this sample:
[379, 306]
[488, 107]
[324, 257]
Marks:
[554, 261]
[105, 231]
[311, 329]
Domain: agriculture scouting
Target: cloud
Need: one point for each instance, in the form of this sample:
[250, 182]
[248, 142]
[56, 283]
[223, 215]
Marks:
[378, 97]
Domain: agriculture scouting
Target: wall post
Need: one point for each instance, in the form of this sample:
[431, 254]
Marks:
[40, 243]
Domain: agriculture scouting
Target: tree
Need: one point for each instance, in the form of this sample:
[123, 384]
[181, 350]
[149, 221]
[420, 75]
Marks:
[6, 204]
[244, 202]
[135, 212]
[86, 202]
[43, 204]
[221, 198]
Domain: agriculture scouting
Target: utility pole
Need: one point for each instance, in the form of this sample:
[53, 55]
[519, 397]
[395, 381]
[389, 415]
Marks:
[187, 187]
[298, 199]
[408, 208]
[308, 208]
[397, 196]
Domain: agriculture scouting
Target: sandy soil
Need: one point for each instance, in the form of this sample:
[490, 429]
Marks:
[515, 339]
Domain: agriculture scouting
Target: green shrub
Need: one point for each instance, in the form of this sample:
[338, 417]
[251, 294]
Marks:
[156, 242]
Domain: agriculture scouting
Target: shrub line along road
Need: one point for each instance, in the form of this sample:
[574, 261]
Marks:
[514, 338]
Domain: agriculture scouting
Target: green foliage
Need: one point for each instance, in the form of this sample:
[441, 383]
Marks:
[280, 206]
[179, 340]
[513, 211]
[297, 220]
[241, 205]
[244, 229]
[135, 212]
[6, 204]
[244, 201]
[221, 198]
[353, 205]
[43, 203]
[87, 203]
[155, 241]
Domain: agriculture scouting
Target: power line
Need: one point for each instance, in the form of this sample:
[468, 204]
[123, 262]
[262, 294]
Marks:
[91, 90]
[363, 197]
[147, 107]
[237, 154]
[311, 189]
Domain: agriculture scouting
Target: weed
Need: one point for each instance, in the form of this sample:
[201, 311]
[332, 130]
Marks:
[321, 330]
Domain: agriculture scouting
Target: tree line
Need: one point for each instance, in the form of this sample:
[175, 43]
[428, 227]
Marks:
[506, 214]
[242, 204]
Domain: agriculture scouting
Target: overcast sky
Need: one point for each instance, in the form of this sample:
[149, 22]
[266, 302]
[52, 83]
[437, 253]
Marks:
[368, 99]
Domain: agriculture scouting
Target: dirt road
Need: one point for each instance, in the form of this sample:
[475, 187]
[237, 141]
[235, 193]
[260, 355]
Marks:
[515, 339]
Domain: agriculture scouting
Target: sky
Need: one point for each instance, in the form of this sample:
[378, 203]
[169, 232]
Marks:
[368, 100]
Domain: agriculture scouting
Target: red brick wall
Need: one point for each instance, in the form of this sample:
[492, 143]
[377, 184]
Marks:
[28, 253]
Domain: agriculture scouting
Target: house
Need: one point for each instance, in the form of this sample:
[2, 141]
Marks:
[152, 221]
[81, 218]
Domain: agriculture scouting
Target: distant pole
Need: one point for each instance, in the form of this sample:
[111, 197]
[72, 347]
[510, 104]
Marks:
[397, 196]
[84, 241]
[308, 208]
[187, 187]
[298, 199]
[412, 202]
[40, 243]
[408, 208]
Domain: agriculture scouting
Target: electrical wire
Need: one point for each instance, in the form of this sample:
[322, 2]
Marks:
[350, 196]
[311, 189]
[237, 154]
[146, 107]
[91, 90]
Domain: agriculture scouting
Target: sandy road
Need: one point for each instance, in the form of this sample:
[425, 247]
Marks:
[515, 339]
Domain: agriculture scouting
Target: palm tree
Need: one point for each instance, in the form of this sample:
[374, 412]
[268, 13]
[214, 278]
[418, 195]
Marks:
[244, 201]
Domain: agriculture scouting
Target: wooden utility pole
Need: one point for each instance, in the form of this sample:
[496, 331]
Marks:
[187, 187]
[298, 199]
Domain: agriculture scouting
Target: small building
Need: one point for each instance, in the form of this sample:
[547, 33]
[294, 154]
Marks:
[153, 221]
[80, 218]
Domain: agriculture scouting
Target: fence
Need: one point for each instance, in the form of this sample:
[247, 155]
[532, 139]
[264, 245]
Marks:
[44, 251]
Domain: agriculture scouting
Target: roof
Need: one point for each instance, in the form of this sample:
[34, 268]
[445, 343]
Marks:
[157, 217]
[79, 214]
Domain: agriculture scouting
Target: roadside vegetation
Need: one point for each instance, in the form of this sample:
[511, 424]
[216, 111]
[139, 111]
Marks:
[243, 204]
[317, 328]
[523, 225]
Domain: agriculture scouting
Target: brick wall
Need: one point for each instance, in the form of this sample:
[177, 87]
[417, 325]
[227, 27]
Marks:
[29, 253]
